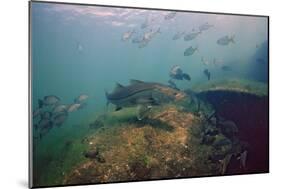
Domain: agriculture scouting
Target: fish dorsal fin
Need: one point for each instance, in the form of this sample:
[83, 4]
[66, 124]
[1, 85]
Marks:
[118, 86]
[134, 81]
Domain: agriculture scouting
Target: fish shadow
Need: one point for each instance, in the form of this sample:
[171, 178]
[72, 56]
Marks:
[155, 123]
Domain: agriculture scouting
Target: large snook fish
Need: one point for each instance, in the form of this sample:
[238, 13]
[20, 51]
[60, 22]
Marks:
[145, 94]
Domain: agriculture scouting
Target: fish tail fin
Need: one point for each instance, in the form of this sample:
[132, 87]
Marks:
[40, 103]
[232, 39]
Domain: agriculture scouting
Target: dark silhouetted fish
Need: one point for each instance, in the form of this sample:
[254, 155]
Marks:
[48, 100]
[225, 40]
[186, 76]
[170, 16]
[177, 73]
[59, 119]
[191, 36]
[172, 84]
[207, 74]
[178, 35]
[44, 126]
[37, 112]
[43, 123]
[190, 51]
[46, 115]
[205, 27]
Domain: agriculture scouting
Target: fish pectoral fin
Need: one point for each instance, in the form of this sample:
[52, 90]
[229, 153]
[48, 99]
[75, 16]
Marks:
[134, 81]
[142, 111]
[118, 108]
[118, 87]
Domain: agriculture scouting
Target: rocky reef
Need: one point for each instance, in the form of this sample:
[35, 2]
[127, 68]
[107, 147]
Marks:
[169, 143]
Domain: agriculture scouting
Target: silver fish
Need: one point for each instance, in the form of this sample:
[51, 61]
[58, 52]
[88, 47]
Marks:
[81, 98]
[73, 107]
[139, 92]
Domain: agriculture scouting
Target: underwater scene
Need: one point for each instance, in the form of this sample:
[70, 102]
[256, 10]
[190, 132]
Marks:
[127, 94]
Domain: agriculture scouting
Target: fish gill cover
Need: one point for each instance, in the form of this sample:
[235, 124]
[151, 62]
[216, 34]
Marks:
[124, 94]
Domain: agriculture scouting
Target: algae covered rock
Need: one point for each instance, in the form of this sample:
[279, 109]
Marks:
[165, 145]
[234, 85]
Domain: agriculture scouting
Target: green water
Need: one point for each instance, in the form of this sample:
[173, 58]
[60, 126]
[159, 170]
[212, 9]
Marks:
[78, 50]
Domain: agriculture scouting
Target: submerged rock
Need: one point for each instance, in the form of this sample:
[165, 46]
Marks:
[138, 150]
[233, 85]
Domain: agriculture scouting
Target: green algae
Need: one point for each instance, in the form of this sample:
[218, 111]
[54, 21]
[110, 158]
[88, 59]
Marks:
[235, 85]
